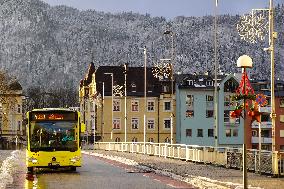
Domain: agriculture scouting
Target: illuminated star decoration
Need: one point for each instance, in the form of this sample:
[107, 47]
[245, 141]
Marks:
[117, 90]
[253, 27]
[162, 70]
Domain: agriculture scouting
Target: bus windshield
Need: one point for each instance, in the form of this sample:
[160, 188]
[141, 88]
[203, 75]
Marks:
[53, 136]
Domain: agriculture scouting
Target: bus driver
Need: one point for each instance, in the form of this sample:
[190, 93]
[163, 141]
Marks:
[68, 136]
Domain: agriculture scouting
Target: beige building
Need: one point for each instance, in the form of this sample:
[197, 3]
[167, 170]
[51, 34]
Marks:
[11, 113]
[112, 115]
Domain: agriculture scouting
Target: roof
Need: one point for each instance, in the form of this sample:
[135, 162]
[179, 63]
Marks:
[15, 86]
[195, 81]
[134, 77]
[88, 77]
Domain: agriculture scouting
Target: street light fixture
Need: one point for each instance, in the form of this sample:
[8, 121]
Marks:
[111, 74]
[244, 62]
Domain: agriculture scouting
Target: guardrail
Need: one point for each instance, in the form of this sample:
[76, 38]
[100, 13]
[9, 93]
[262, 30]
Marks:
[270, 162]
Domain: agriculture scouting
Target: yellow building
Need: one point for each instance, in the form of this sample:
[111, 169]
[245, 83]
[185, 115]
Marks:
[11, 116]
[111, 119]
[87, 92]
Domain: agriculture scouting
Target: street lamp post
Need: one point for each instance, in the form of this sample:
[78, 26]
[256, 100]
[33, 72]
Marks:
[172, 78]
[250, 29]
[111, 74]
[244, 62]
[125, 105]
[102, 114]
[145, 93]
[216, 97]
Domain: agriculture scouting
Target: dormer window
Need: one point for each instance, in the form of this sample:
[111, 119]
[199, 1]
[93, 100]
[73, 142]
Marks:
[190, 82]
[133, 87]
[209, 83]
[166, 88]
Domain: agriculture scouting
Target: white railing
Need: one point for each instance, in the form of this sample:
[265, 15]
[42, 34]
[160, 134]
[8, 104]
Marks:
[265, 140]
[271, 162]
[263, 125]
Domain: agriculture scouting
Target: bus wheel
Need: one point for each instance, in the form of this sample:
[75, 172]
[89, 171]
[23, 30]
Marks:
[30, 170]
[73, 168]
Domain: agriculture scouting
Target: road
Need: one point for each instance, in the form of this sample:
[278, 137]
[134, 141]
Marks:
[95, 173]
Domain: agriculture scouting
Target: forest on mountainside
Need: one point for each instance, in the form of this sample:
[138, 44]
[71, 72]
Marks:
[48, 49]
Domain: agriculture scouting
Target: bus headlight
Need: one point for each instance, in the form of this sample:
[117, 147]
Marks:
[32, 159]
[75, 159]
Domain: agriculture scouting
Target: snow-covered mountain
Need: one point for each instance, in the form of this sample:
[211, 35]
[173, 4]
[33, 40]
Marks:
[52, 46]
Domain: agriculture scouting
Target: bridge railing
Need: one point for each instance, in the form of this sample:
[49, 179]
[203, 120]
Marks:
[270, 162]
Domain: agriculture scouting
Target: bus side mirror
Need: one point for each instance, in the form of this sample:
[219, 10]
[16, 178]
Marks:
[83, 127]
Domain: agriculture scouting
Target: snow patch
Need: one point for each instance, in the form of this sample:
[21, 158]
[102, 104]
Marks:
[8, 167]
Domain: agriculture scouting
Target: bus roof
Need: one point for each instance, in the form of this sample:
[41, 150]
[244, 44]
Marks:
[53, 109]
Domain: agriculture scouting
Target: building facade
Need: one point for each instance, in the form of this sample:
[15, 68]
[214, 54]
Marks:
[263, 87]
[11, 114]
[121, 115]
[195, 111]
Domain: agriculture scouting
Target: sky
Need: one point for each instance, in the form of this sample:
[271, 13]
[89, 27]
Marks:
[167, 8]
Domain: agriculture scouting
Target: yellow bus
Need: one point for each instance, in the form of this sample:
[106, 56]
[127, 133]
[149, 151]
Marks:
[53, 139]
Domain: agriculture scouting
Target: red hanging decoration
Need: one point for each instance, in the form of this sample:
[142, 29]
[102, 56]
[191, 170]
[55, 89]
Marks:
[245, 86]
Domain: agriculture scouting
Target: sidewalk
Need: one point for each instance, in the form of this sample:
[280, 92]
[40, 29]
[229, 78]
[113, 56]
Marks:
[200, 175]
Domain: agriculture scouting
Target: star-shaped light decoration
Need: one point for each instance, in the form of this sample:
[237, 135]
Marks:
[253, 27]
[117, 90]
[162, 70]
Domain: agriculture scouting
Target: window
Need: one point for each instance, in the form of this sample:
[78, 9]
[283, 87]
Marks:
[151, 123]
[190, 82]
[189, 113]
[228, 101]
[134, 123]
[116, 105]
[281, 133]
[19, 125]
[167, 123]
[209, 101]
[91, 107]
[151, 140]
[199, 132]
[166, 88]
[117, 139]
[281, 148]
[210, 132]
[19, 108]
[189, 101]
[265, 118]
[228, 133]
[209, 83]
[282, 102]
[188, 133]
[227, 116]
[167, 106]
[235, 132]
[151, 106]
[134, 139]
[116, 123]
[254, 133]
[134, 105]
[209, 113]
[266, 133]
[167, 140]
[133, 87]
[282, 118]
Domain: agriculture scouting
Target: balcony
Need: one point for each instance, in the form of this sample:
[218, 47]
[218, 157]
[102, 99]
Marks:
[263, 125]
[264, 140]
[266, 109]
